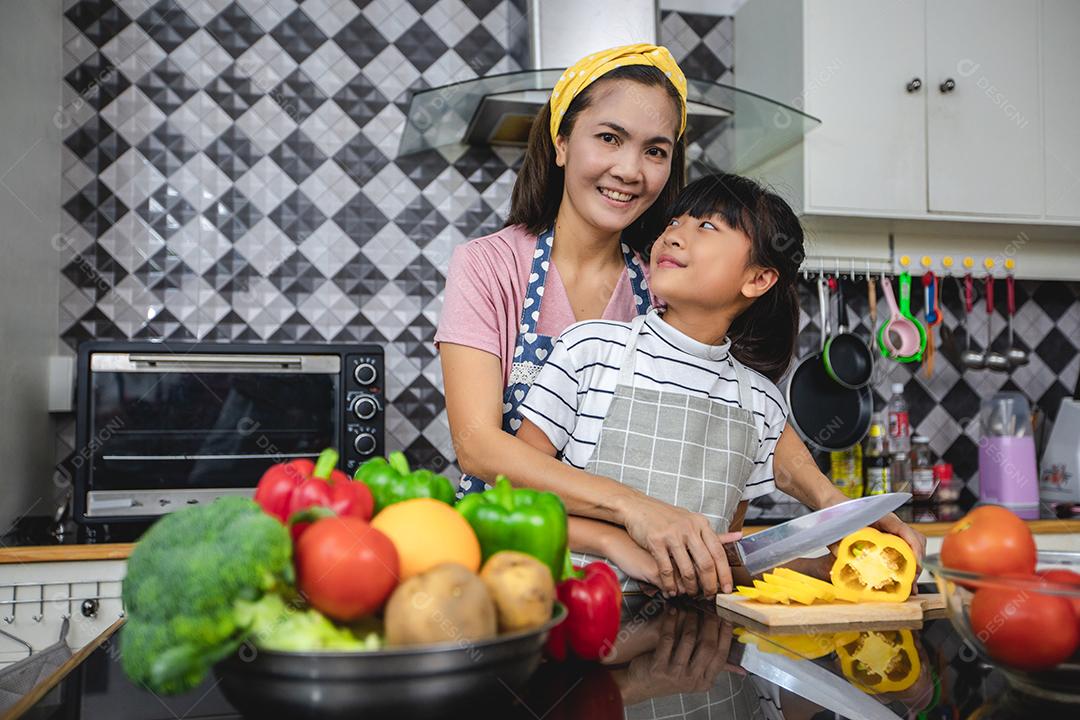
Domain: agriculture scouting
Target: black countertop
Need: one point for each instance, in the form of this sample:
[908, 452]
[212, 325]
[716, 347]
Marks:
[671, 664]
[42, 531]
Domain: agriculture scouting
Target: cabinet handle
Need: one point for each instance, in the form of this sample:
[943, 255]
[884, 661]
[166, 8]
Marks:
[948, 86]
[914, 85]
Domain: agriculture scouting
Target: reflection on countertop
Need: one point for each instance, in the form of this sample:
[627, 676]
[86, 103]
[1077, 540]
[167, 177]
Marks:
[671, 660]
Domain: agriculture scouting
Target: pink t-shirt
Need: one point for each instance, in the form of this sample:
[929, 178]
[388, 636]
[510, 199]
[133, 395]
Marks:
[485, 291]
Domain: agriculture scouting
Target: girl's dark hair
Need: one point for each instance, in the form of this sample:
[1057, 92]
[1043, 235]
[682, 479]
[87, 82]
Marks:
[539, 186]
[763, 336]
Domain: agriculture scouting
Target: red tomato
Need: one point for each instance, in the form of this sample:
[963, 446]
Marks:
[1024, 628]
[345, 568]
[991, 540]
[1065, 577]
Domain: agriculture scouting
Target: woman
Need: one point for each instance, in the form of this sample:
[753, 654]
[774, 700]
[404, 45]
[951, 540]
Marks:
[606, 157]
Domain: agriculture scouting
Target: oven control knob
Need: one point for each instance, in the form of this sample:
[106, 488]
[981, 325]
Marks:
[364, 443]
[365, 407]
[365, 373]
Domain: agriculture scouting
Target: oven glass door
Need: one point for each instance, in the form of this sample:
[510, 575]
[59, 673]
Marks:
[215, 421]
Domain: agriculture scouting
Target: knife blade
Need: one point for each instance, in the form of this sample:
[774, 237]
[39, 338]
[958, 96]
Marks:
[785, 542]
[809, 680]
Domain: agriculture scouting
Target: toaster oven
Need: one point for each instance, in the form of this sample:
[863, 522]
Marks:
[161, 426]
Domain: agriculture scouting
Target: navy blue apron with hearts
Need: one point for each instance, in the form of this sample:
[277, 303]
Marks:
[532, 349]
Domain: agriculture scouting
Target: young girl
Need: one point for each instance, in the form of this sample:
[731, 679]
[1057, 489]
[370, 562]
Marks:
[680, 403]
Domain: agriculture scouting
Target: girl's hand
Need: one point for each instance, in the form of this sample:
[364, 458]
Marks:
[686, 549]
[895, 526]
[629, 557]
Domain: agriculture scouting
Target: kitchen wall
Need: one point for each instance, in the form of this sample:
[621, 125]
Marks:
[230, 174]
[29, 262]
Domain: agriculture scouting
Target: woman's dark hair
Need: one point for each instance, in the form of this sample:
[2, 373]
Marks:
[539, 186]
[763, 336]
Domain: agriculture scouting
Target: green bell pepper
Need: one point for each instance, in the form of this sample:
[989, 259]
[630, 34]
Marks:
[528, 521]
[391, 481]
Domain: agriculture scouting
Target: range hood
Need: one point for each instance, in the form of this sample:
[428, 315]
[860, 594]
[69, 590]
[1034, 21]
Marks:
[499, 109]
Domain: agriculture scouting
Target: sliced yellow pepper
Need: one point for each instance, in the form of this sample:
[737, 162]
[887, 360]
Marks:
[881, 661]
[772, 591]
[826, 591]
[796, 647]
[796, 591]
[873, 566]
[754, 594]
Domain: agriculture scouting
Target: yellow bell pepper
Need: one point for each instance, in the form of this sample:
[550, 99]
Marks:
[881, 661]
[798, 592]
[796, 647]
[767, 590]
[826, 591]
[873, 566]
[754, 594]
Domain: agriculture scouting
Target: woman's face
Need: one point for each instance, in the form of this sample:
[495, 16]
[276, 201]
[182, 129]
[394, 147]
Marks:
[617, 158]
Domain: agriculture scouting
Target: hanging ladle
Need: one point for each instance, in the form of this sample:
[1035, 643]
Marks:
[971, 359]
[1016, 356]
[994, 360]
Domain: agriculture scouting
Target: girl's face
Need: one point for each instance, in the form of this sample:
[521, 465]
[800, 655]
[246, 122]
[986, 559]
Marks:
[704, 263]
[617, 158]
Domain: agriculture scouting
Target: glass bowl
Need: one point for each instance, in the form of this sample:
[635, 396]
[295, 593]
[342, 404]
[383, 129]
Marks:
[1061, 682]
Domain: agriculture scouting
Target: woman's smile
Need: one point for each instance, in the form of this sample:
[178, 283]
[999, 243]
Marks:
[616, 198]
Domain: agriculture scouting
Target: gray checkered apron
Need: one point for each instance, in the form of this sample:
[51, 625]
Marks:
[693, 452]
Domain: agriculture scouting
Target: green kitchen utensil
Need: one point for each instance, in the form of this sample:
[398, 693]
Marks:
[901, 337]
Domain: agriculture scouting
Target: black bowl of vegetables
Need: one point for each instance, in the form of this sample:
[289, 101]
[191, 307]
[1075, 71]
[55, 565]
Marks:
[442, 679]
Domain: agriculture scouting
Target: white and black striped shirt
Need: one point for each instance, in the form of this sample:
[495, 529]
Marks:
[571, 395]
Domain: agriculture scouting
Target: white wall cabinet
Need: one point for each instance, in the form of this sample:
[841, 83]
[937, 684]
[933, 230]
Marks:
[1061, 107]
[930, 109]
[872, 125]
[983, 115]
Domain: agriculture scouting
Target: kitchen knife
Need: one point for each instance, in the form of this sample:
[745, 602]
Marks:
[784, 542]
[809, 680]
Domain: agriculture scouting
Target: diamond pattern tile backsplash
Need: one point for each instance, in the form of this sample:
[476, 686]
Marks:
[944, 406]
[230, 174]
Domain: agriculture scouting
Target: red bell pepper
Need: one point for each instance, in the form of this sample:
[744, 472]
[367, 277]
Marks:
[277, 484]
[286, 488]
[594, 600]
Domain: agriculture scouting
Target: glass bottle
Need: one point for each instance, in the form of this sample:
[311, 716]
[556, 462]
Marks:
[899, 421]
[876, 462]
[922, 468]
[846, 470]
[900, 472]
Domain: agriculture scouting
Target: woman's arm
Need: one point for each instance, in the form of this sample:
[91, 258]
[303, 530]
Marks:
[473, 383]
[798, 475]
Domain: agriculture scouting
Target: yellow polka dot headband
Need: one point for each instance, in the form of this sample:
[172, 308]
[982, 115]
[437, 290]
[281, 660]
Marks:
[592, 67]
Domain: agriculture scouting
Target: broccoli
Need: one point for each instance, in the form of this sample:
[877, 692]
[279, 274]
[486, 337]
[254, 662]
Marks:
[275, 625]
[186, 581]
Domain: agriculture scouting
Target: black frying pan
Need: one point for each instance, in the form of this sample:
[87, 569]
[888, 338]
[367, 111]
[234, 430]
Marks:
[826, 414]
[848, 359]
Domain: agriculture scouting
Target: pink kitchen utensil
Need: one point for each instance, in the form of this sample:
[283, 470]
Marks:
[898, 337]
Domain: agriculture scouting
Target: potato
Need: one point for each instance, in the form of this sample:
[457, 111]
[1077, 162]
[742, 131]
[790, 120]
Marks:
[447, 603]
[522, 588]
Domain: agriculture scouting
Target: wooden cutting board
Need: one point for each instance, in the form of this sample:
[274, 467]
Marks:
[834, 614]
